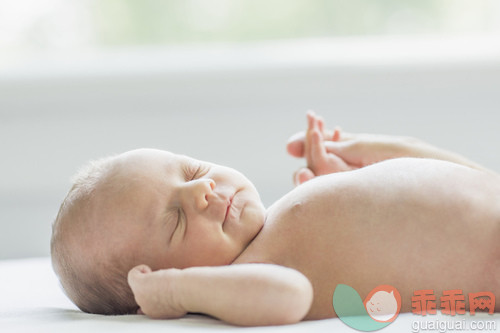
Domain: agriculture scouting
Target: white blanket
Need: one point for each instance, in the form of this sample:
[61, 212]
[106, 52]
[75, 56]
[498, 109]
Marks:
[32, 301]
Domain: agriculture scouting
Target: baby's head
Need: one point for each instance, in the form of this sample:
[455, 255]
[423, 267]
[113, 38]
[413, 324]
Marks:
[148, 207]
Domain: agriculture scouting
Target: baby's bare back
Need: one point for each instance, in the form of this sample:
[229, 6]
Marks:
[411, 223]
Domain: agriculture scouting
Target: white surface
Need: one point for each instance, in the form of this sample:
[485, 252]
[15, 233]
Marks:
[31, 301]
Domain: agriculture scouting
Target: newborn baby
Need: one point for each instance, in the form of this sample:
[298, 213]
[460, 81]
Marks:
[193, 236]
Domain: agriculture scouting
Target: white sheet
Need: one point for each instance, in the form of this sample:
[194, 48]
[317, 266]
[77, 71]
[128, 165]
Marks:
[31, 301]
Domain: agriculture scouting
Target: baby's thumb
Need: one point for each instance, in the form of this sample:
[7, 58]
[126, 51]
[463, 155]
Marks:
[302, 175]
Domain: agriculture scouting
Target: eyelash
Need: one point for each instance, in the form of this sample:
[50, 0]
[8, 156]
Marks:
[195, 171]
[179, 214]
[178, 221]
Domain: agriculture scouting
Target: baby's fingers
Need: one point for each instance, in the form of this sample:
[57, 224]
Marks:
[138, 271]
[295, 144]
[302, 175]
[313, 141]
[311, 117]
[324, 160]
[136, 276]
[317, 153]
[155, 292]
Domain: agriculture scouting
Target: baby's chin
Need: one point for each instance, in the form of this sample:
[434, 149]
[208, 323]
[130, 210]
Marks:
[255, 219]
[256, 213]
[249, 225]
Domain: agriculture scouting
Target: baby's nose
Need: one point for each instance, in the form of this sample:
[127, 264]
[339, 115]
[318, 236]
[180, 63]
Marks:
[202, 190]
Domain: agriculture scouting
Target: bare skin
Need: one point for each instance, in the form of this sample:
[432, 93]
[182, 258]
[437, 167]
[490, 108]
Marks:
[403, 222]
[412, 223]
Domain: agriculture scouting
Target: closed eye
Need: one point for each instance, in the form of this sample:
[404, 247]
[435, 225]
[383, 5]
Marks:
[196, 171]
[191, 171]
[176, 218]
[196, 174]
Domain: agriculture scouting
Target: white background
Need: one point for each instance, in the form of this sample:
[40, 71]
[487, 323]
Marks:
[233, 105]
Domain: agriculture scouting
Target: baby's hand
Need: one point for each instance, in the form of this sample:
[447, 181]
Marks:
[319, 160]
[155, 292]
[328, 151]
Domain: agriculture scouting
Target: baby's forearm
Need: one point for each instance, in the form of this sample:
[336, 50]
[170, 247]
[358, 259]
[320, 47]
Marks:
[246, 294]
[421, 149]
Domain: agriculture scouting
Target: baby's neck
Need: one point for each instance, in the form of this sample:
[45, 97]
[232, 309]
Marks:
[251, 240]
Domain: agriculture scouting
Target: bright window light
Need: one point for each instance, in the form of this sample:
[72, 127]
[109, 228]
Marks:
[40, 25]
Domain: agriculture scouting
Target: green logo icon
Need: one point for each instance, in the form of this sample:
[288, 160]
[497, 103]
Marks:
[380, 308]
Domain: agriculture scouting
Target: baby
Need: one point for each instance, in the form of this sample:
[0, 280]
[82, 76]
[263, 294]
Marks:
[192, 236]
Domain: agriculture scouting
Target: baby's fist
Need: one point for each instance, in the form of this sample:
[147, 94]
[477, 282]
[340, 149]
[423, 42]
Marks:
[154, 292]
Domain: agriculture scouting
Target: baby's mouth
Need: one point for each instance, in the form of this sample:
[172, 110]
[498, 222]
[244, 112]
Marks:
[228, 209]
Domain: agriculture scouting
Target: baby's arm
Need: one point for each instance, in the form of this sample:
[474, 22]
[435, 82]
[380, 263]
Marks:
[243, 294]
[329, 151]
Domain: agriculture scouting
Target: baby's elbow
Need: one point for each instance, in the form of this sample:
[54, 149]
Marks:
[303, 301]
[298, 302]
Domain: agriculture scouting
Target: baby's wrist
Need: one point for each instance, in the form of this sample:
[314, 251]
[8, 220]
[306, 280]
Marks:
[193, 291]
[173, 282]
[187, 289]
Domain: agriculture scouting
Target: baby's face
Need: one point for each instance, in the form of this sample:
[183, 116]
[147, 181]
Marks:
[180, 212]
